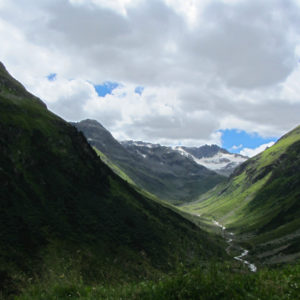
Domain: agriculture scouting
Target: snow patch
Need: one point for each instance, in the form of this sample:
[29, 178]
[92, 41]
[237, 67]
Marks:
[220, 161]
[216, 162]
[182, 152]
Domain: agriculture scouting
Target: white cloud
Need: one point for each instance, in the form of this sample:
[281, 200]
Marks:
[191, 10]
[252, 152]
[205, 65]
[236, 147]
[116, 5]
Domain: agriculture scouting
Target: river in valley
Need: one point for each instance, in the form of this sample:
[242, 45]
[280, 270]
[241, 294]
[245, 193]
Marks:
[229, 240]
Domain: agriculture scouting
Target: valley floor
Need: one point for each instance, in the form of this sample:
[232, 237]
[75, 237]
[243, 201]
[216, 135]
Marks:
[229, 236]
[234, 279]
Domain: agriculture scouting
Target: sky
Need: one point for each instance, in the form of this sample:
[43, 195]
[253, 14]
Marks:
[173, 72]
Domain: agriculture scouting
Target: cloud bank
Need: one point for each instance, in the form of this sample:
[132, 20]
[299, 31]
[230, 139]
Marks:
[204, 66]
[252, 152]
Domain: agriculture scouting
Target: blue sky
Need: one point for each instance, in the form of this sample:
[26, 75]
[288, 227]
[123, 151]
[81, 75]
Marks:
[139, 90]
[235, 140]
[105, 88]
[108, 86]
[52, 76]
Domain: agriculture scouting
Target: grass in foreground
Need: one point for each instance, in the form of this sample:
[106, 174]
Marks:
[213, 281]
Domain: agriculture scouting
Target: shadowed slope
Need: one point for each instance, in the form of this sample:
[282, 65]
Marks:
[63, 211]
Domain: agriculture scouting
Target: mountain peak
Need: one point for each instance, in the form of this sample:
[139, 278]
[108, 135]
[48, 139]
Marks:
[213, 157]
[139, 144]
[158, 169]
[205, 150]
[95, 129]
[91, 123]
[14, 90]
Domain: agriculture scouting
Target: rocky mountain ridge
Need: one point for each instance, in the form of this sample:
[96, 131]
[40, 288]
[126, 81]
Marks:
[211, 157]
[160, 170]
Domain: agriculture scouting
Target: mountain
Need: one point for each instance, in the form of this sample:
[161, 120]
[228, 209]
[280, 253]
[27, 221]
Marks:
[65, 217]
[260, 201]
[102, 139]
[214, 158]
[157, 169]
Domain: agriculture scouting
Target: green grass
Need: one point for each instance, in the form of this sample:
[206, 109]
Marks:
[261, 198]
[113, 167]
[207, 281]
[273, 153]
[231, 205]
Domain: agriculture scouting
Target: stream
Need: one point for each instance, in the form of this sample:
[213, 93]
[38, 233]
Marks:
[244, 253]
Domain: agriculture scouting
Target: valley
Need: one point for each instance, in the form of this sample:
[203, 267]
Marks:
[83, 216]
[260, 202]
[229, 236]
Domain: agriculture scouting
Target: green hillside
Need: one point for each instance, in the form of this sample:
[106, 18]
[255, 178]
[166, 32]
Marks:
[66, 218]
[113, 167]
[261, 201]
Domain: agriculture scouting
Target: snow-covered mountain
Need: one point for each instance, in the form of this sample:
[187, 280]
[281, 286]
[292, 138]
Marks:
[213, 157]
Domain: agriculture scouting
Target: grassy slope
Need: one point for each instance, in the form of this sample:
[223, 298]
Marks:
[65, 214]
[173, 188]
[200, 222]
[113, 167]
[262, 198]
[213, 281]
